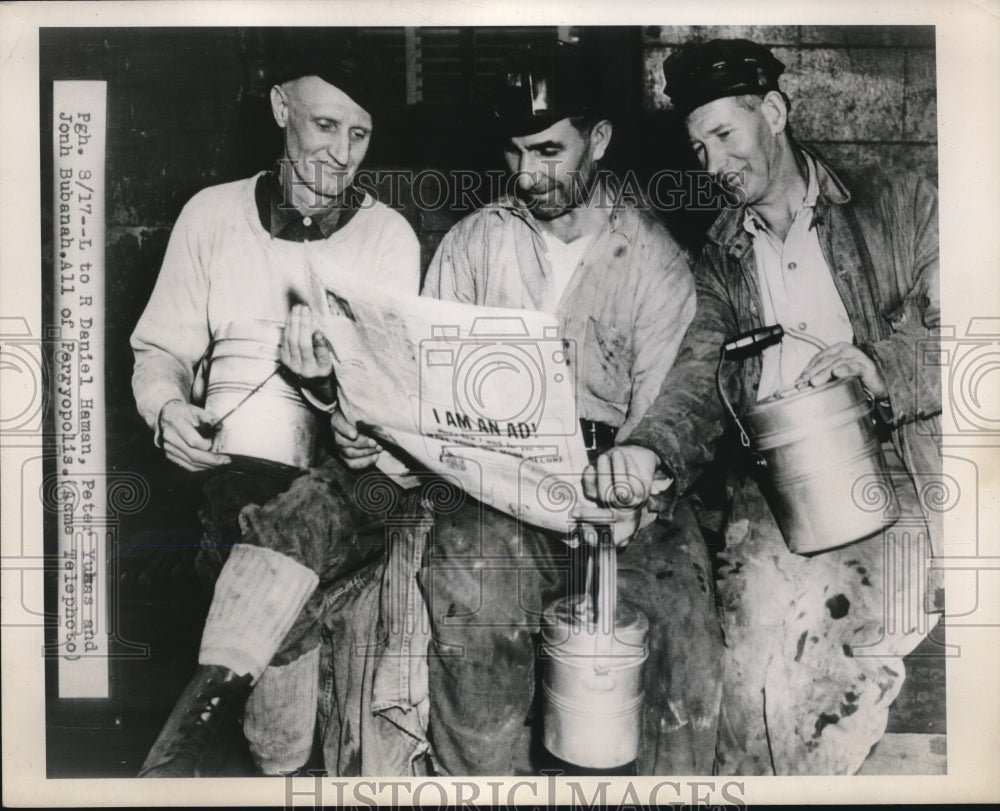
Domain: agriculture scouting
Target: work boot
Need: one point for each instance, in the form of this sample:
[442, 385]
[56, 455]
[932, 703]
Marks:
[189, 743]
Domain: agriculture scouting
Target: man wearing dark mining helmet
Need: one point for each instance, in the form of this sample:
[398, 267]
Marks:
[242, 250]
[813, 643]
[621, 289]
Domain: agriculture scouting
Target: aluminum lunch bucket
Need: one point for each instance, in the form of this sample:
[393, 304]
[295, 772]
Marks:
[592, 682]
[820, 449]
[264, 415]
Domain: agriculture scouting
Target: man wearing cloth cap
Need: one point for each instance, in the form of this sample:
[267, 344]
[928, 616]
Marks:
[244, 250]
[813, 644]
[620, 286]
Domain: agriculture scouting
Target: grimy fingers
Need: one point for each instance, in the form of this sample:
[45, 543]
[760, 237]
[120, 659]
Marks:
[192, 458]
[820, 361]
[615, 486]
[187, 435]
[343, 426]
[355, 450]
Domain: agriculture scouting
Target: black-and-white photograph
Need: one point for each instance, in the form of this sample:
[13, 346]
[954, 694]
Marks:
[570, 405]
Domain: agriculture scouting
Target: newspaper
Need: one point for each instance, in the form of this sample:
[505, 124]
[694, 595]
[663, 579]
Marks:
[483, 396]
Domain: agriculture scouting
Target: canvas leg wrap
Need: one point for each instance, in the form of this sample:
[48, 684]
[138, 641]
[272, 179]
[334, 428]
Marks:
[280, 715]
[257, 597]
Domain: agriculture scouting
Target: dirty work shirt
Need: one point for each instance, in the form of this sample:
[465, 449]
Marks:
[804, 693]
[223, 265]
[797, 291]
[624, 311]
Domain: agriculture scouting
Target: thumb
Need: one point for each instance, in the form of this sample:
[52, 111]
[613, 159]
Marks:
[343, 426]
[201, 415]
[321, 346]
[203, 420]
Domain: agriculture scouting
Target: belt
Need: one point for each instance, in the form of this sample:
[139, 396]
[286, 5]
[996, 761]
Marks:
[597, 436]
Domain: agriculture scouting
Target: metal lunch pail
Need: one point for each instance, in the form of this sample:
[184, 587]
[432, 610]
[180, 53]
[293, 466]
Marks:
[592, 680]
[817, 446]
[261, 414]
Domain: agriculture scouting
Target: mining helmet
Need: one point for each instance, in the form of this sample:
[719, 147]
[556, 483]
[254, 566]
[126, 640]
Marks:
[541, 84]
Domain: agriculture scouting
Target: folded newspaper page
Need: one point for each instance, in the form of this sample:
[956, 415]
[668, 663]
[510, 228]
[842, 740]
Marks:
[480, 395]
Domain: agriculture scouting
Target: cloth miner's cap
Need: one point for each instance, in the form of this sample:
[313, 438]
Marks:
[334, 63]
[700, 72]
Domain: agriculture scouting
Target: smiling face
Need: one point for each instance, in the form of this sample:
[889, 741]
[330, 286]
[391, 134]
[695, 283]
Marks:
[326, 138]
[742, 142]
[554, 167]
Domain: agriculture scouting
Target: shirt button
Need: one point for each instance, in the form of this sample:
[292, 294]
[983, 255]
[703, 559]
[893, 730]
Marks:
[802, 325]
[307, 221]
[792, 266]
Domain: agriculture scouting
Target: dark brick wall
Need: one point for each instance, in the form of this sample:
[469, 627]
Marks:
[864, 95]
[174, 109]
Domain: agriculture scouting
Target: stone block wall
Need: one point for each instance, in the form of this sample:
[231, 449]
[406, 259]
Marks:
[863, 95]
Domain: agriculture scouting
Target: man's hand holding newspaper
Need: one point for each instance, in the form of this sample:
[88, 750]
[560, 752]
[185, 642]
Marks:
[482, 396]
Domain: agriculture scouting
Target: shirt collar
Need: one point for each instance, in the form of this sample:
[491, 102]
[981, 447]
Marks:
[752, 222]
[727, 232]
[283, 221]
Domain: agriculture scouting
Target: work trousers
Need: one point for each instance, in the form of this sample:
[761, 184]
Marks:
[814, 644]
[486, 579]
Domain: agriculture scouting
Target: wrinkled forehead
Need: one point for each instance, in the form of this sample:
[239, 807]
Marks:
[724, 112]
[320, 99]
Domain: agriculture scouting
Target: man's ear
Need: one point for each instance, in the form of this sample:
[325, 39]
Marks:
[279, 105]
[600, 137]
[775, 111]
